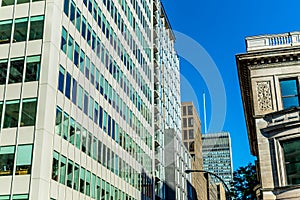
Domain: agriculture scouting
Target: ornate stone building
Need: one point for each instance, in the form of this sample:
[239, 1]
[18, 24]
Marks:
[269, 76]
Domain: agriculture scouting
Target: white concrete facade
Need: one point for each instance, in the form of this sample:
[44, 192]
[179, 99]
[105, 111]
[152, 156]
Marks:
[128, 137]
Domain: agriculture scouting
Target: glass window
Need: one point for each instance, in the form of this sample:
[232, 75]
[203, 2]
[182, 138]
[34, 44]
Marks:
[100, 116]
[93, 195]
[104, 121]
[63, 167]
[82, 180]
[36, 28]
[6, 160]
[88, 183]
[83, 27]
[91, 107]
[95, 148]
[70, 47]
[76, 55]
[66, 126]
[87, 68]
[191, 134]
[90, 6]
[58, 121]
[24, 156]
[28, 112]
[104, 155]
[99, 151]
[11, 116]
[184, 122]
[70, 174]
[78, 19]
[68, 85]
[94, 41]
[72, 12]
[5, 30]
[76, 177]
[8, 3]
[16, 70]
[80, 93]
[20, 32]
[109, 125]
[98, 47]
[89, 32]
[20, 197]
[55, 166]
[32, 68]
[96, 112]
[86, 103]
[61, 79]
[1, 107]
[185, 134]
[74, 91]
[101, 84]
[97, 78]
[289, 93]
[89, 144]
[92, 74]
[191, 122]
[64, 36]
[190, 110]
[83, 145]
[66, 7]
[72, 131]
[82, 61]
[108, 159]
[291, 151]
[78, 135]
[22, 1]
[3, 71]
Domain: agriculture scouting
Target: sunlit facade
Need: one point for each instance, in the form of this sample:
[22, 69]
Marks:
[76, 99]
[170, 179]
[269, 79]
[192, 139]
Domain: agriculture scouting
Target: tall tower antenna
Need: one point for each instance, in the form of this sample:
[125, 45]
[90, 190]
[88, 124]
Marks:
[204, 113]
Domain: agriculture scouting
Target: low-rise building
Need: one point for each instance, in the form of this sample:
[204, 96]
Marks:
[269, 74]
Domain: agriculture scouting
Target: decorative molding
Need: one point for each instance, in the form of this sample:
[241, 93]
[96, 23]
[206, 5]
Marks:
[264, 96]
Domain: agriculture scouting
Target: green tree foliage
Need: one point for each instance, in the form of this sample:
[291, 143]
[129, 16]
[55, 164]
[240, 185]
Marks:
[244, 181]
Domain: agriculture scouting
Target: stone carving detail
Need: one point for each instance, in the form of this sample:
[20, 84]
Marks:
[264, 97]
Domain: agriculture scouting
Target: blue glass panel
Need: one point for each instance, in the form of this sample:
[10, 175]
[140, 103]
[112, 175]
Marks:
[72, 12]
[74, 91]
[109, 125]
[100, 116]
[68, 86]
[288, 87]
[113, 130]
[61, 77]
[86, 103]
[83, 27]
[66, 7]
[290, 102]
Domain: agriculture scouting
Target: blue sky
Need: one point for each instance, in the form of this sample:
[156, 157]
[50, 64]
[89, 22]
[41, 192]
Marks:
[220, 27]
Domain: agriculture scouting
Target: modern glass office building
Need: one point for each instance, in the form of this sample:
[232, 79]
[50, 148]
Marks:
[217, 155]
[171, 157]
[76, 99]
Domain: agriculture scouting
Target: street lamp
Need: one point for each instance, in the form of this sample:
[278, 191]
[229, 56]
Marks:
[215, 175]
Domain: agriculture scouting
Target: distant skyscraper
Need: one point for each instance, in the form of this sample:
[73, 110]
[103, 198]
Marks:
[217, 158]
